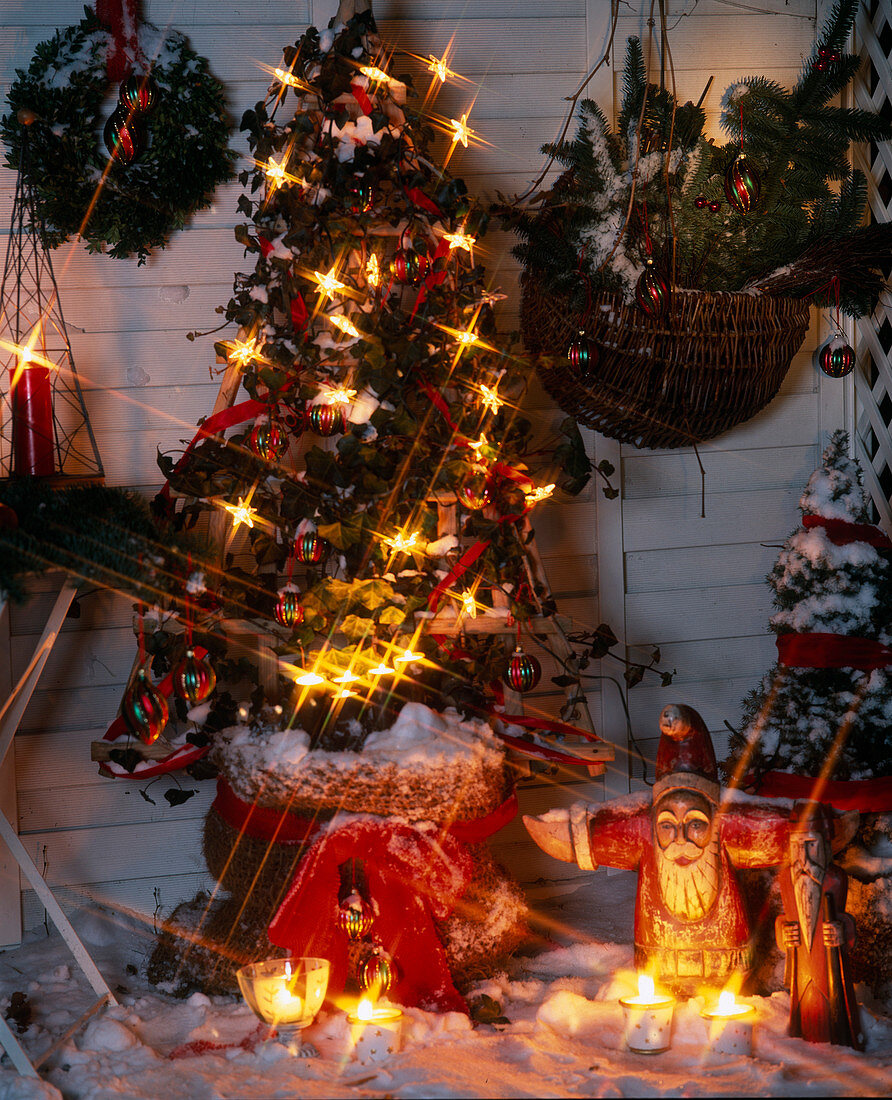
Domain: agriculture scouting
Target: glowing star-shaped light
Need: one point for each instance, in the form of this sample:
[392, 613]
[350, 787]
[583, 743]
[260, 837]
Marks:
[478, 445]
[461, 132]
[243, 351]
[467, 338]
[284, 77]
[344, 324]
[382, 669]
[374, 73]
[241, 513]
[542, 493]
[407, 656]
[373, 271]
[460, 240]
[491, 400]
[346, 677]
[468, 604]
[438, 67]
[275, 172]
[309, 679]
[340, 395]
[346, 693]
[402, 544]
[329, 284]
[490, 297]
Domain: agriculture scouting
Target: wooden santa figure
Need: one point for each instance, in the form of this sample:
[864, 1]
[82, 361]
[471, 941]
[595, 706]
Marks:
[684, 838]
[815, 931]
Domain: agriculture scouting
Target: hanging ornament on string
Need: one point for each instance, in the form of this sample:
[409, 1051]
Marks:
[144, 709]
[289, 609]
[742, 184]
[836, 357]
[473, 490]
[582, 354]
[377, 974]
[408, 266]
[651, 290]
[355, 917]
[194, 678]
[124, 135]
[267, 440]
[139, 93]
[523, 671]
[309, 548]
[328, 420]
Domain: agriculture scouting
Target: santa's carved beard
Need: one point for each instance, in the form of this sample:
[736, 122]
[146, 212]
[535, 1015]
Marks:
[689, 889]
[807, 881]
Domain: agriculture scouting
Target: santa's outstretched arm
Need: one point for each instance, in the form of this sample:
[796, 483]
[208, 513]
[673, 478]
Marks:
[613, 834]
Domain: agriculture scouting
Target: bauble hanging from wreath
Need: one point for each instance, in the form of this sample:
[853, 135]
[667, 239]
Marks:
[168, 136]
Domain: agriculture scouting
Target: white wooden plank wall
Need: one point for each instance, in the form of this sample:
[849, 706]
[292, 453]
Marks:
[100, 838]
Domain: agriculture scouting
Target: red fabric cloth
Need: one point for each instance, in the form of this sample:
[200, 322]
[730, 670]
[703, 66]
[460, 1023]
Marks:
[122, 18]
[869, 796]
[414, 877]
[841, 532]
[821, 650]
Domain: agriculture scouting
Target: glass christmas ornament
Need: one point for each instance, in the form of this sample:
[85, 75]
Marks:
[700, 202]
[144, 709]
[742, 185]
[651, 291]
[408, 266]
[289, 609]
[473, 491]
[523, 671]
[836, 357]
[355, 917]
[582, 354]
[376, 974]
[124, 135]
[328, 419]
[194, 678]
[139, 93]
[267, 440]
[309, 549]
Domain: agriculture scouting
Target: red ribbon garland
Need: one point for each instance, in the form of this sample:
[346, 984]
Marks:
[821, 650]
[841, 532]
[122, 18]
[413, 878]
[285, 827]
[868, 796]
[361, 98]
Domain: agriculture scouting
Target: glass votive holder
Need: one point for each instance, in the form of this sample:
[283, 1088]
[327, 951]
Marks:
[648, 1019]
[376, 1031]
[730, 1027]
[285, 993]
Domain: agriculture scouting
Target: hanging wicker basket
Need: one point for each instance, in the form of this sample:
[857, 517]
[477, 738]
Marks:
[712, 362]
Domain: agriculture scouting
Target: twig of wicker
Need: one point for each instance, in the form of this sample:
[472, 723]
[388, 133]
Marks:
[710, 363]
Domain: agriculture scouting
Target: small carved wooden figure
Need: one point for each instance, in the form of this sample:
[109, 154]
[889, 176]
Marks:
[815, 931]
[691, 927]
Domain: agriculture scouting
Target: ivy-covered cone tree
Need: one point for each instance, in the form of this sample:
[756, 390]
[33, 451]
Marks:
[825, 710]
[382, 479]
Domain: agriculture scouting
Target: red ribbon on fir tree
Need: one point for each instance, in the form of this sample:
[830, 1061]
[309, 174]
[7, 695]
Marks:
[841, 531]
[122, 17]
[819, 650]
[413, 878]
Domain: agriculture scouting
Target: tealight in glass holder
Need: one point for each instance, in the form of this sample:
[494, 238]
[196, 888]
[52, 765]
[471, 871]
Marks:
[648, 1018]
[376, 1031]
[730, 1026]
[286, 994]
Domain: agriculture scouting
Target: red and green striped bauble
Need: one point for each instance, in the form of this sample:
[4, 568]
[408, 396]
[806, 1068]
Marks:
[582, 354]
[742, 185]
[355, 917]
[267, 440]
[194, 678]
[289, 609]
[377, 973]
[408, 266]
[651, 291]
[836, 358]
[124, 135]
[309, 548]
[523, 671]
[138, 93]
[328, 419]
[144, 709]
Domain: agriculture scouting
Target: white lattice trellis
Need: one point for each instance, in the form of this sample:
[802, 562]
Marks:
[873, 378]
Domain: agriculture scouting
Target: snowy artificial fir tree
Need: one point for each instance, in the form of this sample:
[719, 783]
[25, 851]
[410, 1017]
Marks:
[820, 724]
[372, 490]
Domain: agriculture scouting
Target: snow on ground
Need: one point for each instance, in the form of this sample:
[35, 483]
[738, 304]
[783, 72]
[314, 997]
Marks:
[563, 1038]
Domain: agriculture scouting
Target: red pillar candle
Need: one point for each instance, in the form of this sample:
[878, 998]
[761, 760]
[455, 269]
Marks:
[33, 437]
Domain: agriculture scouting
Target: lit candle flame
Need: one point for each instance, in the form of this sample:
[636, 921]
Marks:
[645, 987]
[365, 1009]
[726, 1002]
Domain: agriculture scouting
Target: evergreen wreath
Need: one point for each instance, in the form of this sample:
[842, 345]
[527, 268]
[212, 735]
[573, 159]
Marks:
[138, 205]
